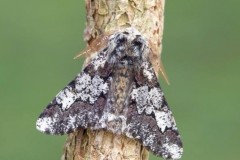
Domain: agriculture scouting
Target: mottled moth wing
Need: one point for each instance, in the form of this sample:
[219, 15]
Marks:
[81, 102]
[149, 118]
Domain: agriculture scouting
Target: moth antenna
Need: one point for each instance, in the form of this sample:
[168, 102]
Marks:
[82, 53]
[163, 72]
[95, 45]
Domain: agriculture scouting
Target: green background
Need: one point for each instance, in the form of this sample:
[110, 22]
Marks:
[38, 40]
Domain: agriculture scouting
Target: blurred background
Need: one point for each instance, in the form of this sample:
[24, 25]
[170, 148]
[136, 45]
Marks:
[38, 40]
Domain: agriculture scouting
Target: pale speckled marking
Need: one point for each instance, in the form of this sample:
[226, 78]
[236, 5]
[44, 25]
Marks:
[149, 140]
[151, 101]
[148, 71]
[173, 123]
[66, 97]
[47, 123]
[72, 122]
[175, 150]
[164, 119]
[89, 89]
[109, 117]
[140, 95]
[99, 60]
[155, 97]
[147, 100]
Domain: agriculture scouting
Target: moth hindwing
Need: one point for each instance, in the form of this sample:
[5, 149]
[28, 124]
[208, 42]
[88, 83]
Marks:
[117, 91]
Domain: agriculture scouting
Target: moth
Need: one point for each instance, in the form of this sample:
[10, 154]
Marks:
[118, 91]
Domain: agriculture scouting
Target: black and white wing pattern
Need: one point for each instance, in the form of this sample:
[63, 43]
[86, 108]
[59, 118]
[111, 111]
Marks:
[80, 104]
[117, 91]
[149, 118]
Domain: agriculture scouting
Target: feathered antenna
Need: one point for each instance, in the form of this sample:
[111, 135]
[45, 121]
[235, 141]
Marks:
[95, 45]
[163, 73]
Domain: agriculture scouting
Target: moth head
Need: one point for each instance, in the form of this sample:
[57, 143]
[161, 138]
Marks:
[127, 47]
[137, 45]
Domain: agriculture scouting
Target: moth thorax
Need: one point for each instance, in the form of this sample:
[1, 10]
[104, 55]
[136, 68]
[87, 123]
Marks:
[123, 79]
